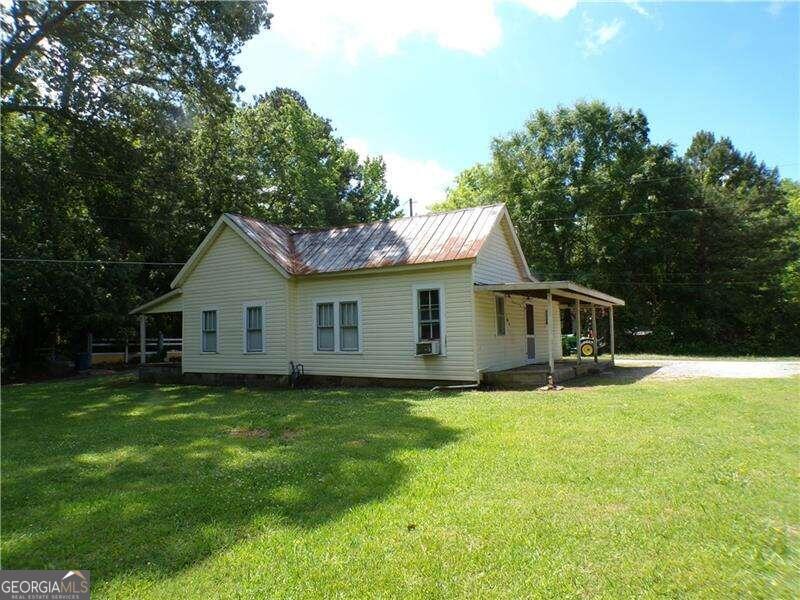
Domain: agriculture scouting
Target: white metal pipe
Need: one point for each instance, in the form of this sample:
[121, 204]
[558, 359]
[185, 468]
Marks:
[611, 327]
[142, 339]
[578, 327]
[550, 361]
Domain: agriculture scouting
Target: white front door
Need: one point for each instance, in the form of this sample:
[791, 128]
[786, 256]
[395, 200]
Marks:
[530, 333]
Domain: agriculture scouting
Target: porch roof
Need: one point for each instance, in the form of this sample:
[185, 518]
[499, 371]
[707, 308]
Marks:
[166, 303]
[567, 290]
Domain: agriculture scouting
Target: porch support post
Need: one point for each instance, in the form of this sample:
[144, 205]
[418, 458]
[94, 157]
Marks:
[578, 330]
[594, 330]
[142, 340]
[611, 328]
[550, 361]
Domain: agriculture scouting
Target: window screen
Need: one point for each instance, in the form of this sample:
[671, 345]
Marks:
[430, 324]
[209, 341]
[325, 327]
[254, 332]
[348, 326]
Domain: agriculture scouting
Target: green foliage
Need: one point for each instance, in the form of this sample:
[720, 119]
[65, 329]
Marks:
[122, 141]
[650, 489]
[791, 278]
[278, 160]
[698, 246]
[93, 59]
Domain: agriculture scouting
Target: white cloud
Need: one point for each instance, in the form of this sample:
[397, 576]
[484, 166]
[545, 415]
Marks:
[775, 8]
[637, 7]
[598, 36]
[425, 181]
[353, 27]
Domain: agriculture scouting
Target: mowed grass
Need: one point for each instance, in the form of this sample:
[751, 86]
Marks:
[617, 490]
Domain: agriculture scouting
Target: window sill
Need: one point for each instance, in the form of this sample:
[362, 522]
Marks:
[337, 352]
[246, 352]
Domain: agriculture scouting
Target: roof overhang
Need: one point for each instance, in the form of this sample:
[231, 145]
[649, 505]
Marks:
[210, 238]
[558, 289]
[158, 305]
[505, 215]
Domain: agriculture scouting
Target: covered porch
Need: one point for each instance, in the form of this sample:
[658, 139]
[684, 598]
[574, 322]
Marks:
[584, 305]
[170, 303]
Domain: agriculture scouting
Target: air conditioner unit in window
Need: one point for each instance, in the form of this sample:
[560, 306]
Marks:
[429, 348]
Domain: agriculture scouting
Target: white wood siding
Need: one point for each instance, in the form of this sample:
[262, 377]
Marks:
[498, 260]
[388, 336]
[230, 274]
[497, 352]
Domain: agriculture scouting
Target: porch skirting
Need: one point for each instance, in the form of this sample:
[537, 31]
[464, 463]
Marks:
[533, 376]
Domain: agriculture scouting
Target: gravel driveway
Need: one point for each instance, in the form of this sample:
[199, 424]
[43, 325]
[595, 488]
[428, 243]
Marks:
[739, 369]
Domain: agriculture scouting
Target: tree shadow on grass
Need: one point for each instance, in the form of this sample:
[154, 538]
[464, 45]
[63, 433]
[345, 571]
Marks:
[614, 376]
[119, 477]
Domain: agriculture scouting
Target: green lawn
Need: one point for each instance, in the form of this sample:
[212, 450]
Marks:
[619, 490]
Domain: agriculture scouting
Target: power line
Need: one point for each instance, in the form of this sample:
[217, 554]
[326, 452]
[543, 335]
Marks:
[93, 262]
[543, 190]
[624, 214]
[175, 264]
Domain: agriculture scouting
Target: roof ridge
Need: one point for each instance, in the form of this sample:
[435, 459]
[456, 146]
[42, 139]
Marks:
[292, 231]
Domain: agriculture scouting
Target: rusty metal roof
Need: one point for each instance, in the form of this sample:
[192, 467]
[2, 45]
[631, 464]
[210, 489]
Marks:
[414, 240]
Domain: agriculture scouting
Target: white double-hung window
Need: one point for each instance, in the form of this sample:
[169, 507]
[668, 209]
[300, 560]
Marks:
[429, 314]
[254, 319]
[208, 330]
[348, 326]
[337, 325]
[326, 331]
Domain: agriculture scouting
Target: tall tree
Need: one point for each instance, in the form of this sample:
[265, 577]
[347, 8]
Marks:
[89, 59]
[279, 160]
[596, 201]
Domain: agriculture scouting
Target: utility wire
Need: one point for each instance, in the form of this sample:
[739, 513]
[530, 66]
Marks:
[92, 262]
[543, 190]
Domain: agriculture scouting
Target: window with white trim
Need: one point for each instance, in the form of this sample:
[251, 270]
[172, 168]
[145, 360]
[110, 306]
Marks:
[325, 327]
[500, 314]
[209, 331]
[348, 326]
[254, 320]
[337, 326]
[429, 315]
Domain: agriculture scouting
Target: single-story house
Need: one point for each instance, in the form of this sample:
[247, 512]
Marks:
[444, 297]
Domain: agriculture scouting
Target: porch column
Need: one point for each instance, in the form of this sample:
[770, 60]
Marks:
[550, 360]
[611, 327]
[578, 330]
[142, 340]
[594, 330]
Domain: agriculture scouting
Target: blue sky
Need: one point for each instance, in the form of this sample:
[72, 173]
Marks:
[429, 83]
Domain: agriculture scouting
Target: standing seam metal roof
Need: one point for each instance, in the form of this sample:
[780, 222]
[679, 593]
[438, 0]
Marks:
[422, 239]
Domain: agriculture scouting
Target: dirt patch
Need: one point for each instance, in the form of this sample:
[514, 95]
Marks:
[290, 434]
[246, 432]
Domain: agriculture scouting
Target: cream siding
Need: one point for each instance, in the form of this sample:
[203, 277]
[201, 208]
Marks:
[230, 274]
[498, 260]
[497, 352]
[387, 322]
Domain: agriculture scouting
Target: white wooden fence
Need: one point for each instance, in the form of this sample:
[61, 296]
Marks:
[124, 350]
